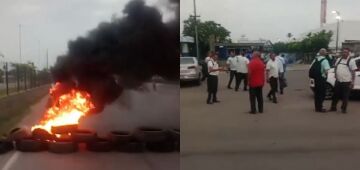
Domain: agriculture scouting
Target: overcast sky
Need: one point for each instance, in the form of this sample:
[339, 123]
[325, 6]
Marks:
[268, 19]
[53, 23]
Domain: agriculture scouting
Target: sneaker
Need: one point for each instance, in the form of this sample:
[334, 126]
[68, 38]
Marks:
[343, 111]
[208, 102]
[216, 101]
[252, 112]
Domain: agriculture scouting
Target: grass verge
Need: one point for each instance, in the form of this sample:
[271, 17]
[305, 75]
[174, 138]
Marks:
[13, 110]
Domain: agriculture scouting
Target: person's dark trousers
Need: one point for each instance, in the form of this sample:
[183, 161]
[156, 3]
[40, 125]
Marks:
[255, 94]
[232, 75]
[273, 86]
[243, 76]
[281, 82]
[341, 91]
[212, 83]
[237, 80]
[319, 92]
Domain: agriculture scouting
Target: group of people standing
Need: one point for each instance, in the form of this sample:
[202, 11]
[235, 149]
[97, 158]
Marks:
[252, 72]
[238, 69]
[255, 71]
[344, 71]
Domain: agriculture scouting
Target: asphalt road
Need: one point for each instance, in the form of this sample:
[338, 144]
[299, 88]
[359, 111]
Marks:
[288, 135]
[146, 107]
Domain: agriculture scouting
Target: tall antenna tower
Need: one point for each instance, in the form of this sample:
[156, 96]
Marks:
[323, 13]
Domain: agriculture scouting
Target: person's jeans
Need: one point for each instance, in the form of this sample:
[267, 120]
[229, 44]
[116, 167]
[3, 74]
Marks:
[274, 86]
[255, 94]
[319, 92]
[232, 75]
[341, 91]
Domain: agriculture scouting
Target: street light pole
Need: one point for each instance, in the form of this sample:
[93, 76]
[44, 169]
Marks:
[196, 32]
[20, 42]
[337, 35]
[338, 18]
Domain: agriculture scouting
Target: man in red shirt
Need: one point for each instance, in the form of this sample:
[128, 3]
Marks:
[256, 81]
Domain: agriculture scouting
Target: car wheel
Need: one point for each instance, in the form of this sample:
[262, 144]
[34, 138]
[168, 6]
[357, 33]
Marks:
[329, 91]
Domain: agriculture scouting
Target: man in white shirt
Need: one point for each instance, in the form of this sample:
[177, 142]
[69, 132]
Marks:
[241, 71]
[212, 80]
[272, 75]
[344, 74]
[231, 63]
[281, 62]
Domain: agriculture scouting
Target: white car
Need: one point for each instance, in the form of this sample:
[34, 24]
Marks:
[190, 70]
[330, 81]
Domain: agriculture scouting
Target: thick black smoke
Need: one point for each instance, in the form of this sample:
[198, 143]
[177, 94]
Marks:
[123, 53]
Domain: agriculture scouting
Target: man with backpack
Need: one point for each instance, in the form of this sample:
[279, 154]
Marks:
[205, 67]
[344, 80]
[318, 71]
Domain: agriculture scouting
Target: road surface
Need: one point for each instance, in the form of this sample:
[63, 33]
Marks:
[288, 135]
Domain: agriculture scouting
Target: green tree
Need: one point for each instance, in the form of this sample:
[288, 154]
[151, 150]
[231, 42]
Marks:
[206, 31]
[312, 43]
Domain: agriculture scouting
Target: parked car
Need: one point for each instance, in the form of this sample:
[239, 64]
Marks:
[190, 70]
[330, 81]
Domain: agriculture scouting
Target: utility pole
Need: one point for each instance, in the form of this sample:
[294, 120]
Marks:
[20, 42]
[39, 56]
[196, 32]
[47, 59]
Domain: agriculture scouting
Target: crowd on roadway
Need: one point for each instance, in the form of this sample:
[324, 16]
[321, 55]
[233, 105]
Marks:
[254, 70]
[251, 70]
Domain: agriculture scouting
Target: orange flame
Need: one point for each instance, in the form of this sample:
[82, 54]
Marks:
[66, 109]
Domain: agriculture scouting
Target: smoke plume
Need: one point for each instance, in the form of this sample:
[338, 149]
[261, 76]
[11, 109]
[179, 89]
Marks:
[123, 53]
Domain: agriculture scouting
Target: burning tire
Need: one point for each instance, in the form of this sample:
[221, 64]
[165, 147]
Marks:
[30, 145]
[100, 145]
[84, 136]
[42, 134]
[62, 146]
[19, 133]
[147, 134]
[133, 146]
[65, 129]
[5, 146]
[118, 137]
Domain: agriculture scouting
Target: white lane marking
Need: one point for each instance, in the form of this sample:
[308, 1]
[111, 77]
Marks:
[11, 161]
